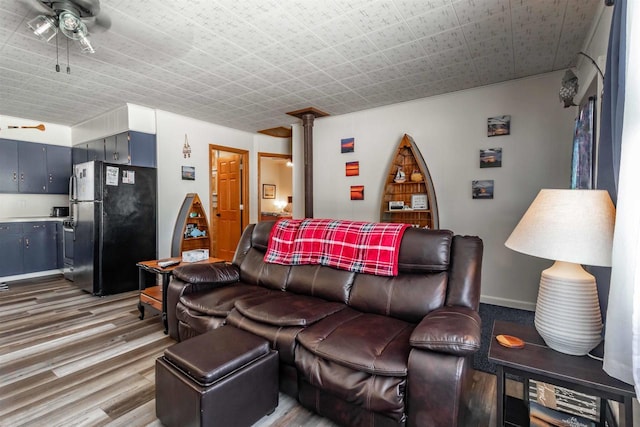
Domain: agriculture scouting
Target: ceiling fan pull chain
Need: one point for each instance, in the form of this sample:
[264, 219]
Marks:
[57, 62]
[68, 67]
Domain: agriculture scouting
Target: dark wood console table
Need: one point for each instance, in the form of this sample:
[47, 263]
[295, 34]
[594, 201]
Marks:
[538, 362]
[153, 296]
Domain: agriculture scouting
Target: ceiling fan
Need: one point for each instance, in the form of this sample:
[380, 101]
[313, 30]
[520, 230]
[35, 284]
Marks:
[73, 18]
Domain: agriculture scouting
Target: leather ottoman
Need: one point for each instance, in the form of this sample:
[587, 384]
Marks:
[225, 377]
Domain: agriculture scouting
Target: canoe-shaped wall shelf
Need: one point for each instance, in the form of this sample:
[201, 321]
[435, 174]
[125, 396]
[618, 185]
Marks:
[408, 195]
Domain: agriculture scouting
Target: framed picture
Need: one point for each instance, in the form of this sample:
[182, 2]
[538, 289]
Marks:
[268, 191]
[491, 158]
[499, 125]
[352, 168]
[357, 192]
[419, 201]
[189, 173]
[482, 189]
[347, 145]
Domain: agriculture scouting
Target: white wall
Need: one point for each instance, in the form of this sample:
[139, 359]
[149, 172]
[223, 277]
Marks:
[14, 205]
[171, 129]
[449, 131]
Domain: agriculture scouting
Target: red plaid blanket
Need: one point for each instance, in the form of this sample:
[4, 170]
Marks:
[362, 247]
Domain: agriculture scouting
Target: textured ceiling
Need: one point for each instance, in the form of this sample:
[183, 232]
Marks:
[245, 63]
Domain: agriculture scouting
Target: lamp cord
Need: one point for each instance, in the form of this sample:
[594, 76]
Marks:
[594, 63]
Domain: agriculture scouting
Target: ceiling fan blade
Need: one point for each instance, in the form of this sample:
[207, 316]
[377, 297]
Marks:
[38, 7]
[98, 24]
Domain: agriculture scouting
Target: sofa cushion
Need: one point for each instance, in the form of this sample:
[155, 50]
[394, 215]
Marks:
[377, 394]
[407, 297]
[362, 341]
[424, 251]
[219, 301]
[322, 282]
[287, 309]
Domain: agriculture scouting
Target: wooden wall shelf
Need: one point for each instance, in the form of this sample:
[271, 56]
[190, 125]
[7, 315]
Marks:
[192, 214]
[408, 159]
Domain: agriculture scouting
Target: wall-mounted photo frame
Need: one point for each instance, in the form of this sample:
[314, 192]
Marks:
[482, 189]
[357, 192]
[419, 201]
[189, 173]
[347, 145]
[499, 125]
[352, 168]
[491, 158]
[268, 191]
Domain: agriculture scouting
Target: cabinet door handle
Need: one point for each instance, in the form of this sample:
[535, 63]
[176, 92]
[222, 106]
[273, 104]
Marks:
[15, 176]
[26, 241]
[50, 178]
[21, 177]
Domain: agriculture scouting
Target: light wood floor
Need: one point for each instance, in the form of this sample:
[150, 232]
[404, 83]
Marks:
[69, 358]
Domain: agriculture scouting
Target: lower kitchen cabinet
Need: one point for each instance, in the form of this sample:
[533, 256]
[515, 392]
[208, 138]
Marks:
[11, 249]
[27, 247]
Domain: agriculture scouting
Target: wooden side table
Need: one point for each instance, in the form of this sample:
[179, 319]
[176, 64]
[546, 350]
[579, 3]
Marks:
[538, 362]
[153, 296]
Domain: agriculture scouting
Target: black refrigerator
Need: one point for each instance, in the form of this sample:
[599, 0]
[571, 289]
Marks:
[113, 209]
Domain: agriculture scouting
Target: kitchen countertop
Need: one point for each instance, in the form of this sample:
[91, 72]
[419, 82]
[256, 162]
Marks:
[34, 218]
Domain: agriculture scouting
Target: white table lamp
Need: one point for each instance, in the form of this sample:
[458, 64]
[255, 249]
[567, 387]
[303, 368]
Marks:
[572, 227]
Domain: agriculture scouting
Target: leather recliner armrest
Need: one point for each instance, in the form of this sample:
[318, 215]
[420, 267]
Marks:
[193, 278]
[453, 330]
[214, 274]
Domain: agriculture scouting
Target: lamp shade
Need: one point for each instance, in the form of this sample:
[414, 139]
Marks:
[567, 225]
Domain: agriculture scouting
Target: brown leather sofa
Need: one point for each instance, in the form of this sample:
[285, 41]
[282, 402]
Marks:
[359, 349]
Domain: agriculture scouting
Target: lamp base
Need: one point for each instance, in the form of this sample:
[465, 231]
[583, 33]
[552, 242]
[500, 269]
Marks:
[567, 311]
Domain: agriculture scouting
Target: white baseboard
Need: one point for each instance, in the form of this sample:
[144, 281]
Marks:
[504, 302]
[29, 275]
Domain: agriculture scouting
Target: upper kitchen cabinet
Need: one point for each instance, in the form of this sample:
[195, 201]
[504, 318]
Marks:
[8, 166]
[58, 169]
[142, 149]
[127, 148]
[32, 167]
[29, 167]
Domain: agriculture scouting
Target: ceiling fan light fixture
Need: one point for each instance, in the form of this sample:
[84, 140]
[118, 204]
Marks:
[85, 44]
[44, 27]
[69, 21]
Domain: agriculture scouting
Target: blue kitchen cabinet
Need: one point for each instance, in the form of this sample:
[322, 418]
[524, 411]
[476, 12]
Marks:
[8, 166]
[29, 167]
[126, 148]
[58, 169]
[80, 153]
[142, 149]
[28, 247]
[40, 252]
[95, 150]
[32, 167]
[11, 248]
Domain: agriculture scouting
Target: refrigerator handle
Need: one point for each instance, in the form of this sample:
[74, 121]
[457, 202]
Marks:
[73, 188]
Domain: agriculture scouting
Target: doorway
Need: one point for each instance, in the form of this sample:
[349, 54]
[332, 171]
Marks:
[275, 186]
[229, 198]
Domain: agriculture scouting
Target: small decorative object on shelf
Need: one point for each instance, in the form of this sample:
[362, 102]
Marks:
[410, 201]
[400, 176]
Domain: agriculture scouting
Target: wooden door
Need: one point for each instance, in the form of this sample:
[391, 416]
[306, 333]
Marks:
[229, 214]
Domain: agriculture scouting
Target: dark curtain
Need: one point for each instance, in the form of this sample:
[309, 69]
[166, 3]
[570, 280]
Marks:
[613, 103]
[611, 127]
